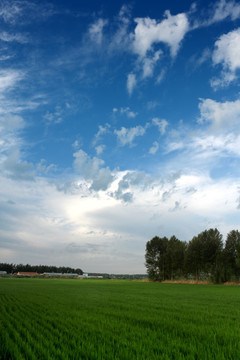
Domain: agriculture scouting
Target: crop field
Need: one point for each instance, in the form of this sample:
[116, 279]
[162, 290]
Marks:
[104, 319]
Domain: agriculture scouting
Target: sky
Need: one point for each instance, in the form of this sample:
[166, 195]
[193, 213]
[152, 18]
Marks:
[119, 121]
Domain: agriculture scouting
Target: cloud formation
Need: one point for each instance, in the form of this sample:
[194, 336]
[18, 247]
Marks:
[96, 30]
[161, 124]
[92, 170]
[127, 136]
[170, 31]
[226, 53]
[131, 83]
[221, 115]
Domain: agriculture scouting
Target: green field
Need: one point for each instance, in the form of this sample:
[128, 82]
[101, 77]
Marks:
[104, 319]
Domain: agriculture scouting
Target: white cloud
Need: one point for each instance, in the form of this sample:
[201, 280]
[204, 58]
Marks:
[224, 9]
[23, 12]
[161, 76]
[105, 232]
[154, 148]
[198, 59]
[14, 167]
[7, 37]
[131, 83]
[210, 146]
[126, 110]
[102, 130]
[54, 117]
[219, 11]
[92, 170]
[121, 39]
[11, 163]
[10, 141]
[149, 64]
[152, 105]
[226, 53]
[161, 124]
[127, 136]
[96, 31]
[170, 31]
[221, 115]
[11, 122]
[9, 78]
[99, 149]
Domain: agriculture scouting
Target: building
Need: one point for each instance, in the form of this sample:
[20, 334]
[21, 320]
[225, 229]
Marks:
[27, 273]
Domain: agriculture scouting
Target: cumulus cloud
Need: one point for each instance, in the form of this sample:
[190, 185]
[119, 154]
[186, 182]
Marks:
[128, 182]
[161, 124]
[11, 122]
[14, 167]
[170, 31]
[226, 53]
[221, 115]
[92, 170]
[147, 34]
[99, 149]
[131, 83]
[127, 136]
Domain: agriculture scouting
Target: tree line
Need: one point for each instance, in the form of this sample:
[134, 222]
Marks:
[14, 268]
[206, 256]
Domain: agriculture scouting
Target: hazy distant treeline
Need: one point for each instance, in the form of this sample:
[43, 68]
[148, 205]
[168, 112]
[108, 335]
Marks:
[13, 268]
[206, 256]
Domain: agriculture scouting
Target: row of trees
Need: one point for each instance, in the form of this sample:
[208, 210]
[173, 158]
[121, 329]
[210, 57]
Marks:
[13, 268]
[204, 257]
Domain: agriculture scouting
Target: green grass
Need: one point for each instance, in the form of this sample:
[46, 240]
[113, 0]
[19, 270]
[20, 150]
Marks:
[104, 319]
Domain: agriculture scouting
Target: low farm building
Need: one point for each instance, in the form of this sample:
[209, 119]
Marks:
[59, 274]
[27, 273]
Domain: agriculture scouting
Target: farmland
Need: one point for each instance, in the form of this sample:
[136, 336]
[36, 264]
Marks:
[104, 319]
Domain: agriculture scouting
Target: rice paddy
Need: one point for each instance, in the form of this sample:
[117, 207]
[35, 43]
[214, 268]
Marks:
[104, 319]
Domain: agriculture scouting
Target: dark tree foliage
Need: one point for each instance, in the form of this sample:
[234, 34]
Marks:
[13, 268]
[204, 254]
[202, 257]
[175, 258]
[156, 260]
[231, 255]
[164, 258]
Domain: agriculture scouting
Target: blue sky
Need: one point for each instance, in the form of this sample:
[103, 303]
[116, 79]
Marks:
[119, 121]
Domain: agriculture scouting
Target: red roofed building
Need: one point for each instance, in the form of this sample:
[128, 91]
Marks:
[26, 273]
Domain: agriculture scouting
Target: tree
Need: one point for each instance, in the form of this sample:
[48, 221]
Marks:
[204, 255]
[175, 257]
[232, 255]
[155, 257]
[212, 245]
[193, 257]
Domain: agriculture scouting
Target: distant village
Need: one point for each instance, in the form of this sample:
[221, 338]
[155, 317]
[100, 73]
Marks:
[45, 271]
